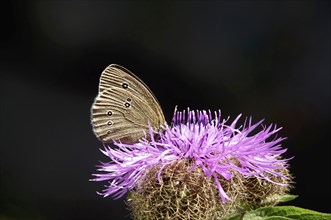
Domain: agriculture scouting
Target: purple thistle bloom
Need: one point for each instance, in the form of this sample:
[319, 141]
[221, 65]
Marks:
[218, 147]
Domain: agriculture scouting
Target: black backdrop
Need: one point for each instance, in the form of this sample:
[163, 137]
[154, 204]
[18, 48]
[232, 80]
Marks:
[267, 59]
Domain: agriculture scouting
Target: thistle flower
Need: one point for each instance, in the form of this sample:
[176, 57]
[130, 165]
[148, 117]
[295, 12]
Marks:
[220, 150]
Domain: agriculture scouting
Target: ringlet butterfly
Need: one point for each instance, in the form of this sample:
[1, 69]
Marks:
[123, 107]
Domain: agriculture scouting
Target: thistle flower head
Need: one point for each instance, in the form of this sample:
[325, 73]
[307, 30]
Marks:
[220, 148]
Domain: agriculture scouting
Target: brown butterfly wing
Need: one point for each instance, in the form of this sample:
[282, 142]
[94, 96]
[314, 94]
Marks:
[123, 107]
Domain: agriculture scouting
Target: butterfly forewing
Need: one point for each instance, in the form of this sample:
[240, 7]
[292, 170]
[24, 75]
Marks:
[123, 107]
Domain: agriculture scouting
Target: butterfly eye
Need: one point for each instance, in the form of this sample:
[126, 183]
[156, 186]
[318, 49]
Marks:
[109, 113]
[127, 104]
[109, 123]
[128, 99]
[125, 85]
[108, 132]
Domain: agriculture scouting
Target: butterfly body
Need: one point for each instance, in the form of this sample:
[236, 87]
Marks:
[123, 107]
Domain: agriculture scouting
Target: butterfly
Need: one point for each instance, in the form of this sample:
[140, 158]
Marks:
[124, 107]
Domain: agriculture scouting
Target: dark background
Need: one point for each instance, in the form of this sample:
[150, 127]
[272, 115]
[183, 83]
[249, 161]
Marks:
[266, 59]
